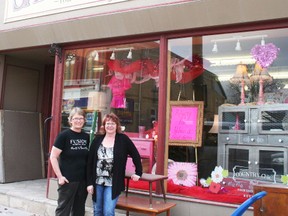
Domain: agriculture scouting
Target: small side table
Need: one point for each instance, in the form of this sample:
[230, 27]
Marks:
[150, 178]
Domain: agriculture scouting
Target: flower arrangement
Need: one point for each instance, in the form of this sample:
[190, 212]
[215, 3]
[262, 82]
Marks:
[214, 182]
[183, 173]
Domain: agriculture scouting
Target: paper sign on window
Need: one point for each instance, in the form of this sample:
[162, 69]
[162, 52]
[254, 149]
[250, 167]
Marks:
[186, 122]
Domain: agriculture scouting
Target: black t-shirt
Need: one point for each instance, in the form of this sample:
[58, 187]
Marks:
[73, 158]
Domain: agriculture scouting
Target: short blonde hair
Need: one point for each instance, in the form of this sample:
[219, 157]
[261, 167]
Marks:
[74, 111]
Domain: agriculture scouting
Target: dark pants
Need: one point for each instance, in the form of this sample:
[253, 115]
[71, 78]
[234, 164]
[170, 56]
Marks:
[71, 199]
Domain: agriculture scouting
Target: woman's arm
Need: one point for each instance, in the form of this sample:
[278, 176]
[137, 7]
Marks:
[54, 158]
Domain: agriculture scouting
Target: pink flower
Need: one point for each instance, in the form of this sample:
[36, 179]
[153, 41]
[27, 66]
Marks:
[183, 173]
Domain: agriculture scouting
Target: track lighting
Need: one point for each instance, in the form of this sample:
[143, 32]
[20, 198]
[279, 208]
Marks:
[237, 38]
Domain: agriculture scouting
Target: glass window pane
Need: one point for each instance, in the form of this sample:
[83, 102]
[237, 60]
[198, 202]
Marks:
[121, 79]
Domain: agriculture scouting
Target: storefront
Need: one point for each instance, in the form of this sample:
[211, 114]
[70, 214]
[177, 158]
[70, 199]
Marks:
[224, 74]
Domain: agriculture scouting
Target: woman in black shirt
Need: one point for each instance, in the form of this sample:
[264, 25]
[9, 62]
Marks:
[69, 159]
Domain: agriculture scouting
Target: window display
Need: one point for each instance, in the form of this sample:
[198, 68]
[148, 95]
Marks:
[120, 79]
[239, 77]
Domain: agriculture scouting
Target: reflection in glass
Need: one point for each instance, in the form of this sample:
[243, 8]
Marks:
[126, 84]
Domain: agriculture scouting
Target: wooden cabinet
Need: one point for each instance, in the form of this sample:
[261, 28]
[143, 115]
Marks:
[274, 203]
[146, 151]
[252, 141]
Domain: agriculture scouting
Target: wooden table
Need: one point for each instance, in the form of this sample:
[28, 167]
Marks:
[141, 205]
[149, 178]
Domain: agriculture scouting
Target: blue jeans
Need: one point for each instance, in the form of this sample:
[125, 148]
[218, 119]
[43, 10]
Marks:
[104, 205]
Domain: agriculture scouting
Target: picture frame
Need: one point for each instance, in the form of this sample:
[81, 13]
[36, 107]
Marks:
[185, 123]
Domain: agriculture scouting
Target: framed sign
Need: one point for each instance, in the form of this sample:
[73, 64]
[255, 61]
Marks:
[186, 123]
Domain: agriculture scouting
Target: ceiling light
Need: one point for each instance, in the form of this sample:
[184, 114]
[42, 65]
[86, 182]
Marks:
[112, 57]
[96, 57]
[215, 48]
[129, 56]
[238, 46]
[262, 41]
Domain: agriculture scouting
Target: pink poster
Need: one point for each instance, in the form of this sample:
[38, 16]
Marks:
[183, 123]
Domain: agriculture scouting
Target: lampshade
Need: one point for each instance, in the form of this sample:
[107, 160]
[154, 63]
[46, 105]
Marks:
[240, 74]
[97, 100]
[215, 126]
[260, 72]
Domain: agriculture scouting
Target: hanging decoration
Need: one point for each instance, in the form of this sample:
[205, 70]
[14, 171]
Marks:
[118, 88]
[185, 71]
[125, 72]
[265, 54]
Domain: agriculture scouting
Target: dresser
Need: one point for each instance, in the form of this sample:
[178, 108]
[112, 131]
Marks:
[253, 141]
[145, 148]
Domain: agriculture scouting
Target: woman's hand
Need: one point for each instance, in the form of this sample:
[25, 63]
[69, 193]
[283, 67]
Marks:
[62, 180]
[90, 189]
[135, 177]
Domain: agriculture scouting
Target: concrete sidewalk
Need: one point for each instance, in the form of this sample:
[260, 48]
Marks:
[28, 198]
[4, 210]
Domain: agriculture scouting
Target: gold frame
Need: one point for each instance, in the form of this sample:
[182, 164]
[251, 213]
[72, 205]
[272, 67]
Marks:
[199, 124]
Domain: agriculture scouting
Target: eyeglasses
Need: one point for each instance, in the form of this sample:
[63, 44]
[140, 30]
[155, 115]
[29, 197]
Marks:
[110, 124]
[78, 119]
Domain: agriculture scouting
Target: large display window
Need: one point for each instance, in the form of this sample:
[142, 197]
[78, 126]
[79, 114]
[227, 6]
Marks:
[121, 79]
[241, 80]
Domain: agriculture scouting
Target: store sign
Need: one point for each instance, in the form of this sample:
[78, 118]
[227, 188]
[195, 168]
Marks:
[186, 122]
[264, 174]
[24, 9]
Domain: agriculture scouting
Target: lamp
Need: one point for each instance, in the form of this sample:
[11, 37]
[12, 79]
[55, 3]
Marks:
[129, 56]
[260, 74]
[112, 57]
[241, 76]
[97, 100]
[215, 126]
[215, 48]
[238, 46]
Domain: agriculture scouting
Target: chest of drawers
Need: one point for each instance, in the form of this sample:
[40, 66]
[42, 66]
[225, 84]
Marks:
[145, 148]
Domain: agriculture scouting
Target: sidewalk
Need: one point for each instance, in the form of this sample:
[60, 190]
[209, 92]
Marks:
[28, 198]
[14, 212]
